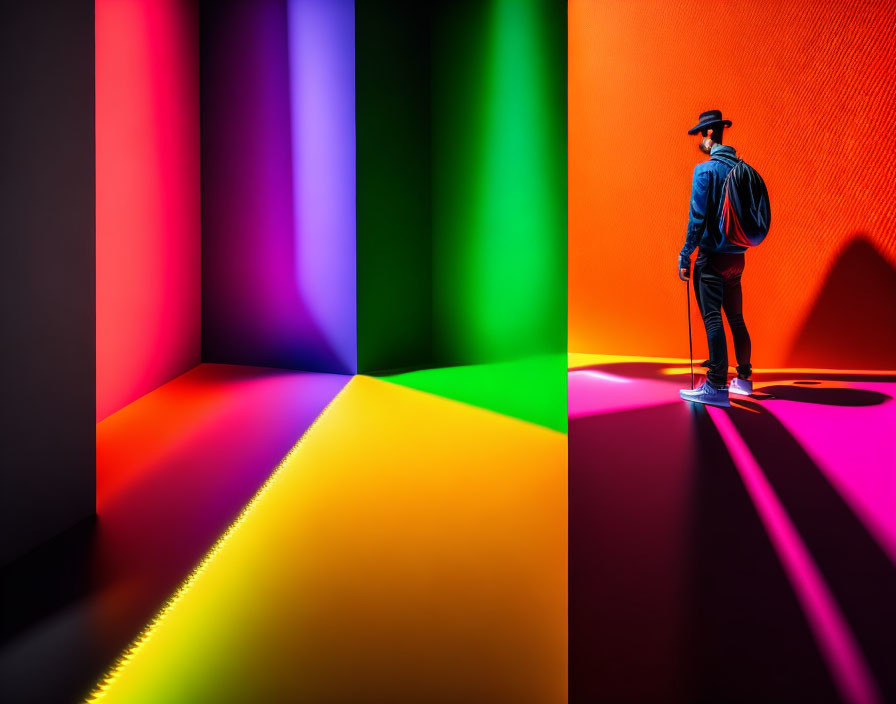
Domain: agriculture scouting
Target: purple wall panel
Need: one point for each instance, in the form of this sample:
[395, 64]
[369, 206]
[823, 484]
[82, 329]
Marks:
[278, 187]
[322, 90]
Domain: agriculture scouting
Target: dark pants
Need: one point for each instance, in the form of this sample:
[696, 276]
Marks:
[717, 287]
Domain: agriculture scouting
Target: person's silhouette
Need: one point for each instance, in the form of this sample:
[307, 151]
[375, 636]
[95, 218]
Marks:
[718, 268]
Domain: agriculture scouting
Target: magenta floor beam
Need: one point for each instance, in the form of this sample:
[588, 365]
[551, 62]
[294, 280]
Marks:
[835, 638]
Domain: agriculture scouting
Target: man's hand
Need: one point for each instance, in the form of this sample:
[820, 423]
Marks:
[684, 274]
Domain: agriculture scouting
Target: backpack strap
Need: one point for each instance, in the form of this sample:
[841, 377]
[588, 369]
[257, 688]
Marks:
[730, 171]
[726, 160]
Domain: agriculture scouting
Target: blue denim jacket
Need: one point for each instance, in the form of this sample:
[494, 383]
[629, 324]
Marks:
[706, 197]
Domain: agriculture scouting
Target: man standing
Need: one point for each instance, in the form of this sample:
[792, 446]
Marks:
[718, 268]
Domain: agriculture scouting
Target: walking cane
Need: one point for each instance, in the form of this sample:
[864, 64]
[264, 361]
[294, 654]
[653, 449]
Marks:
[690, 340]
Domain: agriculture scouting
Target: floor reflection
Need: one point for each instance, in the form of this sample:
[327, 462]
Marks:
[173, 470]
[413, 549]
[677, 593]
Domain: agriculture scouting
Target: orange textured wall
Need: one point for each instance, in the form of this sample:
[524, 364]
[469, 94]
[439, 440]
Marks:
[809, 86]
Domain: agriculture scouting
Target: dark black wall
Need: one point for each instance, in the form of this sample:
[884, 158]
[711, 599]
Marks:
[47, 206]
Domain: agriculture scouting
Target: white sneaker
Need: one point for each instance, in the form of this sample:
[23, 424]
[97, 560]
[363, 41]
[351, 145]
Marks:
[744, 387]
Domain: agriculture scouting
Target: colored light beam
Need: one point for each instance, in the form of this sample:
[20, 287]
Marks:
[530, 389]
[173, 470]
[500, 183]
[579, 359]
[592, 392]
[322, 102]
[853, 446]
[841, 373]
[278, 185]
[147, 197]
[832, 632]
[424, 559]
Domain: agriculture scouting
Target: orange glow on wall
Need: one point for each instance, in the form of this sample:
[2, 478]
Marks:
[809, 88]
[147, 197]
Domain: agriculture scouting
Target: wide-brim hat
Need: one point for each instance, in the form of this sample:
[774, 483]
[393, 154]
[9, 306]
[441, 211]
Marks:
[708, 119]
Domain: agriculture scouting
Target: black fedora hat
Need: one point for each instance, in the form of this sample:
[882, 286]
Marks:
[709, 119]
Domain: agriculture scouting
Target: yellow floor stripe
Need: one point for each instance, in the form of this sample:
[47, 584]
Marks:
[413, 549]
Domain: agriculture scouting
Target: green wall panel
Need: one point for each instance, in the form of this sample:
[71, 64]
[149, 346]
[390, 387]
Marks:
[461, 128]
[394, 213]
[499, 179]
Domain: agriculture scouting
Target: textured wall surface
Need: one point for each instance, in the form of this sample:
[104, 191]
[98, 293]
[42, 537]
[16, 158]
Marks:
[808, 86]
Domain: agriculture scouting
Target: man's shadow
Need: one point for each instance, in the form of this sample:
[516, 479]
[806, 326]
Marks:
[676, 593]
[861, 576]
[815, 392]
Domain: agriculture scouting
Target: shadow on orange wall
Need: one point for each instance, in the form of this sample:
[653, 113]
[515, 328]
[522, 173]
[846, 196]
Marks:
[853, 320]
[809, 101]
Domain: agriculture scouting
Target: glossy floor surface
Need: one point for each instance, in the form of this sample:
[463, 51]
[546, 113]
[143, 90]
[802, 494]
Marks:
[737, 555]
[174, 468]
[266, 535]
[411, 549]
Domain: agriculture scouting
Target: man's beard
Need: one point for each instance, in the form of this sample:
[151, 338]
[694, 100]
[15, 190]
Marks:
[705, 145]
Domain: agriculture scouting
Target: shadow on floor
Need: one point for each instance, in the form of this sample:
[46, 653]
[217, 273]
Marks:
[676, 593]
[858, 572]
[815, 392]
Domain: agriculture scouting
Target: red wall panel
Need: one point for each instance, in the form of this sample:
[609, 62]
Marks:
[147, 197]
[809, 87]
